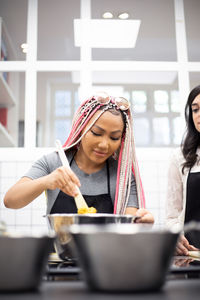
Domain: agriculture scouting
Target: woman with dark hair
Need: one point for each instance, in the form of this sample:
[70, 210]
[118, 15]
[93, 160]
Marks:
[101, 152]
[183, 197]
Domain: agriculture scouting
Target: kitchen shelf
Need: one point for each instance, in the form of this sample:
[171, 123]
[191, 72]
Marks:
[8, 89]
[7, 98]
[5, 138]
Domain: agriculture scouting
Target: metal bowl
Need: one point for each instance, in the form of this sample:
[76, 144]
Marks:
[124, 257]
[23, 260]
[58, 223]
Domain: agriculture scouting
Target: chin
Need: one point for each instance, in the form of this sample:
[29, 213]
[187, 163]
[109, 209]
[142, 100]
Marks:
[198, 128]
[99, 160]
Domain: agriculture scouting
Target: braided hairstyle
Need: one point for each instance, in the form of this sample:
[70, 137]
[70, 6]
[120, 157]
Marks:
[127, 163]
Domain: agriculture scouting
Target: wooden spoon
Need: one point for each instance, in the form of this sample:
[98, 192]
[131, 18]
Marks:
[79, 200]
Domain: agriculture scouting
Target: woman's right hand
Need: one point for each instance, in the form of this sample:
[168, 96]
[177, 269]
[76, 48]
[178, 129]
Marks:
[183, 246]
[64, 179]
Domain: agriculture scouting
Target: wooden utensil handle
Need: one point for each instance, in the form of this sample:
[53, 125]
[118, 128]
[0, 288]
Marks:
[80, 201]
[62, 155]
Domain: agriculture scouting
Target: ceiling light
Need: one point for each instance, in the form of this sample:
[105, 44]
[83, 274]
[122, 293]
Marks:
[106, 33]
[123, 16]
[24, 47]
[107, 15]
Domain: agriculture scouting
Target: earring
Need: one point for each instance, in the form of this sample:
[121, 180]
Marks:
[114, 156]
[78, 146]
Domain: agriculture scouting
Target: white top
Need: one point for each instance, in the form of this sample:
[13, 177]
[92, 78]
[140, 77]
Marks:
[177, 188]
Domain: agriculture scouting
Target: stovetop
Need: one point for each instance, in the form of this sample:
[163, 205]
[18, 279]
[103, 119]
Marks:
[184, 267]
[181, 267]
[185, 264]
[68, 269]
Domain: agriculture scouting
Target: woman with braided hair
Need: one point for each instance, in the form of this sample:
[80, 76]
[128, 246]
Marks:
[101, 152]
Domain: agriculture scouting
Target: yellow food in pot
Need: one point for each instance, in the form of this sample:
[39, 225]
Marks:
[89, 210]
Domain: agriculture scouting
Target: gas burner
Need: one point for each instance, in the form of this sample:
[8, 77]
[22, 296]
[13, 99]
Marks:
[62, 270]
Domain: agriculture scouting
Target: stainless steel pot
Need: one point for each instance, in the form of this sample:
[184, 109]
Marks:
[124, 257]
[59, 223]
[22, 261]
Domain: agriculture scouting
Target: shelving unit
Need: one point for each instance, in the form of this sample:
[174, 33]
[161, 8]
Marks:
[7, 98]
[8, 121]
[6, 140]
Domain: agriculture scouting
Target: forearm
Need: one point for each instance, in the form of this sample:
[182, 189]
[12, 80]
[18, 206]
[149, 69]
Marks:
[26, 189]
[24, 192]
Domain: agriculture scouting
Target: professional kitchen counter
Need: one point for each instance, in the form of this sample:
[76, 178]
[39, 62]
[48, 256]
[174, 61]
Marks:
[64, 280]
[173, 289]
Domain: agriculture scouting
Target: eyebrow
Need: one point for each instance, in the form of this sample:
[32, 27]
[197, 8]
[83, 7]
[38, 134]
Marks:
[194, 104]
[116, 131]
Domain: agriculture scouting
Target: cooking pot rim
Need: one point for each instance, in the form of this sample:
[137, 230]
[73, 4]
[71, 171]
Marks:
[118, 228]
[97, 215]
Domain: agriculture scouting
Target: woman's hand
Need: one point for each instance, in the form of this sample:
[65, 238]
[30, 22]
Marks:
[145, 216]
[64, 179]
[183, 246]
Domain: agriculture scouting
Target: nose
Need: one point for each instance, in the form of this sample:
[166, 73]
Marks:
[103, 144]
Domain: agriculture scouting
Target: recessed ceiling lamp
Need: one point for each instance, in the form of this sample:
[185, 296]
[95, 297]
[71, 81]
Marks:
[107, 15]
[123, 16]
[106, 33]
[24, 47]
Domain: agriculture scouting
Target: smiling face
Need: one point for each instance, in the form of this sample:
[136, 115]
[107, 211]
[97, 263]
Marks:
[102, 139]
[196, 112]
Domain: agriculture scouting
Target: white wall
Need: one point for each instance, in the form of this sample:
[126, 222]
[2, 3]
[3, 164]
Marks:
[153, 164]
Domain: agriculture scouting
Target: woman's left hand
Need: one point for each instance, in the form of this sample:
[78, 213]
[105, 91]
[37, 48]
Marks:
[144, 216]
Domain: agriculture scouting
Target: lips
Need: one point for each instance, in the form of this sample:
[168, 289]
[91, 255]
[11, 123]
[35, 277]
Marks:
[100, 154]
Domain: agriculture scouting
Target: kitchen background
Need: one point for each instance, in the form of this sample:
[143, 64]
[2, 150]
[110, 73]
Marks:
[50, 61]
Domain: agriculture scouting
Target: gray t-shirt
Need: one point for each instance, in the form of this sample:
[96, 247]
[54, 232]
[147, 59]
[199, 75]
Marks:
[91, 184]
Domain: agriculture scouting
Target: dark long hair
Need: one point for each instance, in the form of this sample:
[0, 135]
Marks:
[192, 136]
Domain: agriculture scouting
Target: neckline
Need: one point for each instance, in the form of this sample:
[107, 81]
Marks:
[73, 161]
[93, 174]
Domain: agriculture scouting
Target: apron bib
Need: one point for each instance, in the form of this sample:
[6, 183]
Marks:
[192, 211]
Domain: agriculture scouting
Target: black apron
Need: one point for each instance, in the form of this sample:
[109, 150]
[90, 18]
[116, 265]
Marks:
[192, 211]
[66, 204]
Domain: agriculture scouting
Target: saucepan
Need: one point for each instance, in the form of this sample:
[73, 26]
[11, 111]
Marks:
[22, 261]
[124, 257]
[59, 223]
